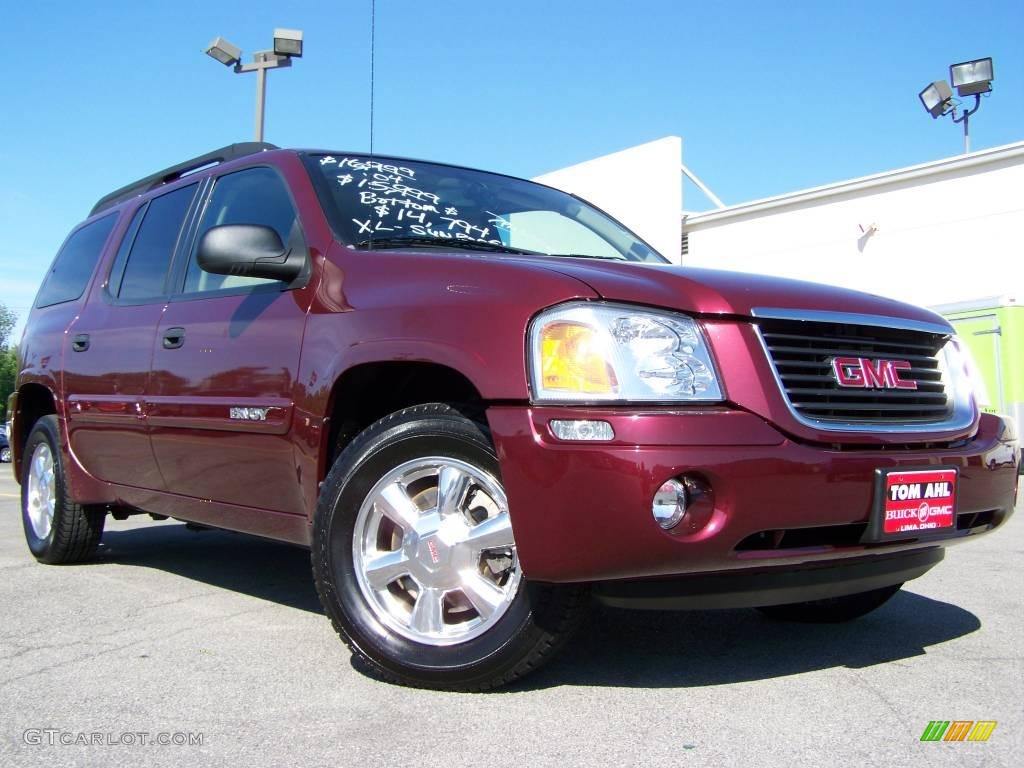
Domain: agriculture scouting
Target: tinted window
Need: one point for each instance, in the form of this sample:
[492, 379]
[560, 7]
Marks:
[75, 262]
[252, 196]
[117, 269]
[154, 244]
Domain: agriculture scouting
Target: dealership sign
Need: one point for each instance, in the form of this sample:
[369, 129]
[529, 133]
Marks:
[919, 500]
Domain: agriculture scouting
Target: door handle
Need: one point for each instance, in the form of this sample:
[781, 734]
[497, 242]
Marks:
[80, 343]
[174, 338]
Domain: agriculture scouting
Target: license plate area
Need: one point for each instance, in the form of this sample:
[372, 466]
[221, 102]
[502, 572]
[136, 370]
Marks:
[913, 503]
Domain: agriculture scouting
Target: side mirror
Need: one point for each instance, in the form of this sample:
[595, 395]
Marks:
[248, 250]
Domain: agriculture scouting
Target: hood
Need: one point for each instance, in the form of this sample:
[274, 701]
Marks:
[714, 292]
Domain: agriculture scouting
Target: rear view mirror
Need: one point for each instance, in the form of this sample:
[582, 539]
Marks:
[248, 250]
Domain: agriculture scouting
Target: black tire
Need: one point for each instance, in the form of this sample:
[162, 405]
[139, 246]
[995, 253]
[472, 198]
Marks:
[76, 530]
[833, 610]
[537, 621]
[5, 454]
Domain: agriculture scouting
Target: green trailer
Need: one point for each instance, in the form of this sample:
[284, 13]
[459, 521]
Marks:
[993, 330]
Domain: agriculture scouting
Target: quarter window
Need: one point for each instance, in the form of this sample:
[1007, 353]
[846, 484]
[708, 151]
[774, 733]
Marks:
[75, 263]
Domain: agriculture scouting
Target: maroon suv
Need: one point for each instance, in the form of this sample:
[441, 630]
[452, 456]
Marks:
[479, 401]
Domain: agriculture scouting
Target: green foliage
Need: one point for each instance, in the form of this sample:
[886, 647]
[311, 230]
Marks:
[8, 358]
[8, 319]
[8, 373]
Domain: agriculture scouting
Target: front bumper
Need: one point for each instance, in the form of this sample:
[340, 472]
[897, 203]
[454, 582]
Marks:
[582, 511]
[770, 586]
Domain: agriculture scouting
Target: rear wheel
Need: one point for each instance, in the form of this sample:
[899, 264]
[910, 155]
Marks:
[833, 610]
[5, 454]
[416, 563]
[57, 529]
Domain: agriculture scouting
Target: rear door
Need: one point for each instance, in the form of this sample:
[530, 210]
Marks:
[57, 304]
[225, 358]
[110, 347]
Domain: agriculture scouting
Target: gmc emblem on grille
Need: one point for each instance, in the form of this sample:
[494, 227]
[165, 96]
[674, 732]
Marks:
[862, 373]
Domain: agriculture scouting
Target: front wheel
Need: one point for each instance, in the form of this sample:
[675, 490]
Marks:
[832, 610]
[416, 563]
[5, 454]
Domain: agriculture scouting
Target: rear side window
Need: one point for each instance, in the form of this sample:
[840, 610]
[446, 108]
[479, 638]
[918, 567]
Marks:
[117, 269]
[75, 262]
[154, 243]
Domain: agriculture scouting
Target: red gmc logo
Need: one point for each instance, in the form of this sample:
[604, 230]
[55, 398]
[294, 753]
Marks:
[862, 373]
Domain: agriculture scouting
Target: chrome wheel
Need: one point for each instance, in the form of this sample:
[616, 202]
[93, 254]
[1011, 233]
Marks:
[5, 455]
[433, 551]
[41, 492]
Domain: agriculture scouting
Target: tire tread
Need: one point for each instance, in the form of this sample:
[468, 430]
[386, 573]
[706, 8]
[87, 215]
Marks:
[563, 607]
[77, 528]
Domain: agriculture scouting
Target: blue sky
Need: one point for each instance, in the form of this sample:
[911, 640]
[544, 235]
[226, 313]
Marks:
[768, 97]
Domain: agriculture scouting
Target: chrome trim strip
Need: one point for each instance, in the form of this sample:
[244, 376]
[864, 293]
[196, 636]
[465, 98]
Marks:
[851, 318]
[965, 413]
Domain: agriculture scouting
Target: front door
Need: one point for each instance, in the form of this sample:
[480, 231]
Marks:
[225, 358]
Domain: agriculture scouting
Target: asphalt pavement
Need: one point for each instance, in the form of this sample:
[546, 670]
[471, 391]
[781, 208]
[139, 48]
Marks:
[215, 643]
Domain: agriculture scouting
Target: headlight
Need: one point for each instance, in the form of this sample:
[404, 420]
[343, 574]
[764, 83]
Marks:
[583, 352]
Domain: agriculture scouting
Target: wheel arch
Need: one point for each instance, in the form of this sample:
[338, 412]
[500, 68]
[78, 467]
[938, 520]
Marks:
[34, 401]
[369, 391]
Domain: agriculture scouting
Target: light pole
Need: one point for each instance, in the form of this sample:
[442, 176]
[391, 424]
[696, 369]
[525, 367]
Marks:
[970, 78]
[287, 45]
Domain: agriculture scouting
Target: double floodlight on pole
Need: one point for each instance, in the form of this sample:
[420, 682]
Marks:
[287, 45]
[970, 78]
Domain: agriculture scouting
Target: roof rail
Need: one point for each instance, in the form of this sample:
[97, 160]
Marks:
[222, 155]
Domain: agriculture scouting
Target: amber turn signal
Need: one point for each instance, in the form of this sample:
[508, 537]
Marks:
[572, 359]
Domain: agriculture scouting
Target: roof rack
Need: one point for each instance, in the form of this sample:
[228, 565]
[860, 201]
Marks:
[222, 155]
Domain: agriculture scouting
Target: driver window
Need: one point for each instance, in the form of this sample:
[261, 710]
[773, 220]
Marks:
[252, 196]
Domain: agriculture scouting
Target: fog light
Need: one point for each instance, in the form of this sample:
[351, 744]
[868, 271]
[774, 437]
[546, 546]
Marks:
[582, 429]
[669, 504]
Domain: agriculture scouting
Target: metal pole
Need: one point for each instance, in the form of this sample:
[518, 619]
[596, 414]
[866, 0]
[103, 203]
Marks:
[701, 186]
[965, 118]
[262, 61]
[261, 93]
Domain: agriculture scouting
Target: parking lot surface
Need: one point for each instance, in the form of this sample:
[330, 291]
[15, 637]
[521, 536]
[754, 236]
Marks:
[217, 639]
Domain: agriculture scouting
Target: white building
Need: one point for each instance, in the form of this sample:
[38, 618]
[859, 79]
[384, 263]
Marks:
[947, 231]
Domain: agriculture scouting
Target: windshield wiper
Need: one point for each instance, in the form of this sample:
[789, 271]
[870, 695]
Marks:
[438, 242]
[587, 256]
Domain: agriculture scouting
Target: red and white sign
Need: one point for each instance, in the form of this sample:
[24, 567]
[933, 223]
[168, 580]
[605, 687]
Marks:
[921, 500]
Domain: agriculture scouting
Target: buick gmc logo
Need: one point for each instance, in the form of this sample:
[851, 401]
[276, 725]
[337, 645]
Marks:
[864, 373]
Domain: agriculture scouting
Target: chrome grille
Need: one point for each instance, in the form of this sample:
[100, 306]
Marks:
[803, 353]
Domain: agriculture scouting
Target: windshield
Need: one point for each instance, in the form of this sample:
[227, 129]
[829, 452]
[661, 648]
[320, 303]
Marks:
[377, 202]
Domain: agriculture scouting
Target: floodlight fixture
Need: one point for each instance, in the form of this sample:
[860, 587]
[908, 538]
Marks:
[972, 77]
[937, 98]
[224, 52]
[288, 42]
